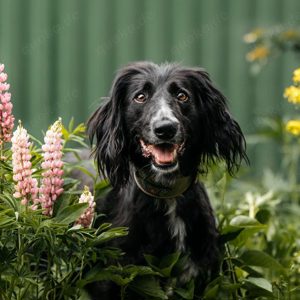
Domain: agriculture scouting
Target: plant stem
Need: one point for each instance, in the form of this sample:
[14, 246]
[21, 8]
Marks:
[232, 272]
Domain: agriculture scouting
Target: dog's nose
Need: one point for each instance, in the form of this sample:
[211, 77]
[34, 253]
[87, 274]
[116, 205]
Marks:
[165, 129]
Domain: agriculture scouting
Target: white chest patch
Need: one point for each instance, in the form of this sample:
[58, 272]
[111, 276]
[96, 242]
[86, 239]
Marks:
[176, 226]
[177, 229]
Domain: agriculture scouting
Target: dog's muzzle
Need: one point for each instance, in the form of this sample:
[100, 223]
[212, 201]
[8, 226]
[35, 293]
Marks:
[164, 155]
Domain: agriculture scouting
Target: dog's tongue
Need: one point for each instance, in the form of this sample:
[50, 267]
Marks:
[163, 155]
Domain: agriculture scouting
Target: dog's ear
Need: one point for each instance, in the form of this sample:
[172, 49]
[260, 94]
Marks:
[106, 126]
[221, 135]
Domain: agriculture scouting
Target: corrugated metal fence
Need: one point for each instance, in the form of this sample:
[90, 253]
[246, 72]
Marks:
[61, 55]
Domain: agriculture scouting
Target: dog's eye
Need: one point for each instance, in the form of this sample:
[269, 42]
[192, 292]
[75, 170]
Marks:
[140, 98]
[183, 97]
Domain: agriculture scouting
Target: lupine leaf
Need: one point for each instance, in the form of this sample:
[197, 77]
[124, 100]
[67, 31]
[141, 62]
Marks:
[110, 234]
[70, 214]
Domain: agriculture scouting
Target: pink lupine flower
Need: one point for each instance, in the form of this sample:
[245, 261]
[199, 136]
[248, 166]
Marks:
[52, 182]
[26, 187]
[87, 217]
[6, 117]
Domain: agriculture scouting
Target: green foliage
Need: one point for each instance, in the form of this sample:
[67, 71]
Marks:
[43, 257]
[259, 223]
[53, 258]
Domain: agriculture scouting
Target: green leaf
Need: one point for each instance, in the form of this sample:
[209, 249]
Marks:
[70, 214]
[109, 235]
[295, 292]
[262, 284]
[187, 293]
[5, 211]
[103, 227]
[11, 201]
[139, 270]
[212, 292]
[251, 271]
[212, 289]
[230, 287]
[102, 188]
[6, 221]
[243, 237]
[263, 216]
[120, 275]
[80, 129]
[71, 125]
[165, 265]
[261, 259]
[65, 133]
[69, 183]
[148, 286]
[36, 140]
[85, 171]
[104, 274]
[61, 203]
[80, 141]
[245, 222]
[229, 233]
[5, 166]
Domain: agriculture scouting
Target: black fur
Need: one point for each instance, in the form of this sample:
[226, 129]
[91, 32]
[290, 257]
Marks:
[207, 132]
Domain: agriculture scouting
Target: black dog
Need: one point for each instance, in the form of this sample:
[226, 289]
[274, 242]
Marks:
[160, 123]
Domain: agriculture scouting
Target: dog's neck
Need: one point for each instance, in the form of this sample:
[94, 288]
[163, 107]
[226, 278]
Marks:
[147, 184]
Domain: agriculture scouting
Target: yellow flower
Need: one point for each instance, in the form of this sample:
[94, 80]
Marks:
[296, 76]
[293, 127]
[253, 36]
[292, 93]
[290, 34]
[258, 53]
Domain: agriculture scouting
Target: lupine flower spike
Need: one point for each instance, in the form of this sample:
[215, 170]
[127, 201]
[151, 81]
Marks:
[26, 187]
[6, 117]
[52, 182]
[86, 219]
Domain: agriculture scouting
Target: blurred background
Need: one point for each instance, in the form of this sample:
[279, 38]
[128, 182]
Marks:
[61, 56]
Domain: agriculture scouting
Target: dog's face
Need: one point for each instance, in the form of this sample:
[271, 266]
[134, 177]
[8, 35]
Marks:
[161, 113]
[165, 119]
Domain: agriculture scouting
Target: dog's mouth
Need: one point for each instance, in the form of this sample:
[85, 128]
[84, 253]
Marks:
[164, 155]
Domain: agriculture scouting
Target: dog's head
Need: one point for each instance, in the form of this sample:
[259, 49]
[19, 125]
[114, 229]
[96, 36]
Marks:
[165, 118]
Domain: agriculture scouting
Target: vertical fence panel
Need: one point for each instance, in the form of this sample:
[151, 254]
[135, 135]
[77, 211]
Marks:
[240, 98]
[158, 31]
[290, 15]
[62, 55]
[269, 86]
[214, 17]
[185, 33]
[99, 71]
[66, 36]
[35, 53]
[17, 36]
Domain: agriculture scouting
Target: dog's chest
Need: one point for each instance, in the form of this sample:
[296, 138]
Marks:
[178, 231]
[176, 225]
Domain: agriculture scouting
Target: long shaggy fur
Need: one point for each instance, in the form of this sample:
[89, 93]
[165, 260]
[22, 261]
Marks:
[205, 131]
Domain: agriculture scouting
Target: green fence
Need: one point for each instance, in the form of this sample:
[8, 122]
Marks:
[61, 55]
